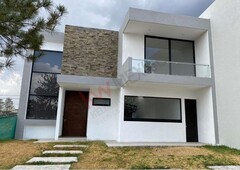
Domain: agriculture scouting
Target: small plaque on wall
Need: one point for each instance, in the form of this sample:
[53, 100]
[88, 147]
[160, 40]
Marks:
[101, 102]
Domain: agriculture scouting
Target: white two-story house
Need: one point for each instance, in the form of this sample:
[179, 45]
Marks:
[153, 81]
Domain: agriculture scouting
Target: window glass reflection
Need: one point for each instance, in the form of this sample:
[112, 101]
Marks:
[44, 88]
[44, 84]
[152, 108]
[50, 61]
[40, 107]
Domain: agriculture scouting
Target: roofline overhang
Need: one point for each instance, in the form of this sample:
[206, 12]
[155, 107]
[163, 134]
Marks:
[147, 16]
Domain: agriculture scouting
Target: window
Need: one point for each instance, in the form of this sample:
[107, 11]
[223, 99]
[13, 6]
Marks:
[101, 102]
[139, 108]
[43, 93]
[176, 57]
[50, 62]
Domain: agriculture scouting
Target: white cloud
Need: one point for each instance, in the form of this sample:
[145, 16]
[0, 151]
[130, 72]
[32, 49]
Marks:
[39, 66]
[10, 83]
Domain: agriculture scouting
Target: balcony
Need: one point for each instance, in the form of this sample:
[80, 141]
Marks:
[167, 68]
[166, 72]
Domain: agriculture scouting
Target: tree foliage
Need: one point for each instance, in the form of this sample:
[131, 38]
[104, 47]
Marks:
[9, 106]
[21, 24]
[1, 105]
[47, 85]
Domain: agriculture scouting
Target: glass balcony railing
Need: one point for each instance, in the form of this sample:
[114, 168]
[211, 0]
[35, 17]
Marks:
[169, 68]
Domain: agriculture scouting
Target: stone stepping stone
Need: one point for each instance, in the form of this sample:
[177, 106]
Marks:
[53, 159]
[42, 167]
[70, 146]
[230, 167]
[62, 152]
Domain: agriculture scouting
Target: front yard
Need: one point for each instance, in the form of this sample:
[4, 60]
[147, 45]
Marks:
[99, 156]
[18, 152]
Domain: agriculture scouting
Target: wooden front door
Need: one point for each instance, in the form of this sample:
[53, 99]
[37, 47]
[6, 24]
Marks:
[75, 114]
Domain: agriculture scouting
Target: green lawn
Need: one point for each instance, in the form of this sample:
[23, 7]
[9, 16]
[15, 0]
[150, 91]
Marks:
[99, 156]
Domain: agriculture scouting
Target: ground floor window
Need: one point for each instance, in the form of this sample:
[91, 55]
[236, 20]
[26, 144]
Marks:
[140, 108]
[43, 92]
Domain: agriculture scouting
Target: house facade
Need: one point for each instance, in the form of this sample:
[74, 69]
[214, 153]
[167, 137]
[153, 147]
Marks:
[153, 81]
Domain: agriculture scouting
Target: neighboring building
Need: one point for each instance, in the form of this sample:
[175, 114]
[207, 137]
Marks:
[153, 81]
[224, 16]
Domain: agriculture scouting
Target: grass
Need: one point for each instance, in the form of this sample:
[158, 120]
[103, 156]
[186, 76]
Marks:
[18, 152]
[99, 156]
[223, 149]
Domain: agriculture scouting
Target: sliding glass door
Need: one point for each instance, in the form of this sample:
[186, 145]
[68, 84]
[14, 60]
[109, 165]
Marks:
[169, 56]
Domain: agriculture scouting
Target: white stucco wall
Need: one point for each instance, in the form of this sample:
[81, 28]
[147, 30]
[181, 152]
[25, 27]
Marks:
[224, 17]
[131, 131]
[202, 55]
[60, 112]
[206, 128]
[38, 132]
[133, 46]
[102, 123]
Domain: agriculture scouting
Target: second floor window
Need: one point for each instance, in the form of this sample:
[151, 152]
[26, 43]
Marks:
[169, 56]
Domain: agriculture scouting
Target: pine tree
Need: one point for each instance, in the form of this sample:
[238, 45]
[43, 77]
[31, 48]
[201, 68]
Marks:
[9, 106]
[21, 25]
[1, 106]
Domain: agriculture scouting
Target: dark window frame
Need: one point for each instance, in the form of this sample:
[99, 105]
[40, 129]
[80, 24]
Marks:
[94, 99]
[170, 49]
[30, 86]
[154, 120]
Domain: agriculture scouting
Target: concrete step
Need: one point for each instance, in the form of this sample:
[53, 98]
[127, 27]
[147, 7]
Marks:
[42, 167]
[63, 152]
[70, 146]
[53, 159]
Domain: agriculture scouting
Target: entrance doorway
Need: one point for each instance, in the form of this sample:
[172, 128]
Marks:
[191, 120]
[75, 114]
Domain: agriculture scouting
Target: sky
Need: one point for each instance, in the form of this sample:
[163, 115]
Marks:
[104, 14]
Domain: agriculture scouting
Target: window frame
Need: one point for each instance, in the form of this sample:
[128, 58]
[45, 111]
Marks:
[154, 120]
[170, 49]
[30, 86]
[109, 99]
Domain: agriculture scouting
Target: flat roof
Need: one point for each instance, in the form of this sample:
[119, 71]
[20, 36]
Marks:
[139, 21]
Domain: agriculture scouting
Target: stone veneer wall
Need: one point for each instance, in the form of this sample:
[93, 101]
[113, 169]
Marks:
[90, 52]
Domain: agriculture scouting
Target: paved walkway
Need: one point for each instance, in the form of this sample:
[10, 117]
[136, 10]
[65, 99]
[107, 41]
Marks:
[56, 160]
[177, 144]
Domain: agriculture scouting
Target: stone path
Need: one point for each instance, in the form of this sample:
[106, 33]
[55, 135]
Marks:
[42, 167]
[57, 160]
[70, 146]
[224, 167]
[62, 152]
[53, 159]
